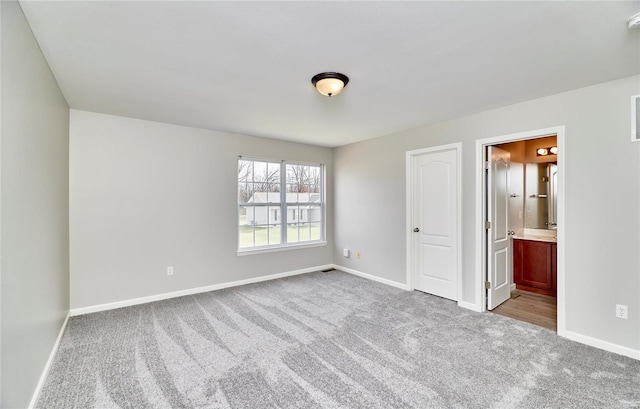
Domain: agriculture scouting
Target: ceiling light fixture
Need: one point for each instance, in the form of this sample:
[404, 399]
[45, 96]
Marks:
[330, 83]
[634, 21]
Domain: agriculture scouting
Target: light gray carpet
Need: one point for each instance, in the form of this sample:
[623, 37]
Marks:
[326, 340]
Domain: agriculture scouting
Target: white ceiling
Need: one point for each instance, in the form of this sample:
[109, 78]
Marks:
[246, 67]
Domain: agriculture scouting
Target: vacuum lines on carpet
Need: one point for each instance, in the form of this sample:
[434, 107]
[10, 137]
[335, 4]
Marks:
[326, 340]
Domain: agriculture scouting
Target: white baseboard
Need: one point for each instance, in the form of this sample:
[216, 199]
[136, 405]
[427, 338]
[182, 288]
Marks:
[396, 284]
[598, 343]
[402, 286]
[47, 367]
[470, 306]
[190, 291]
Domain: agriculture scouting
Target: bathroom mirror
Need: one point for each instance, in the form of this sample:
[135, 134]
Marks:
[533, 176]
[541, 203]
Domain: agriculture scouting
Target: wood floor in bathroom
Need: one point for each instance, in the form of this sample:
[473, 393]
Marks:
[533, 308]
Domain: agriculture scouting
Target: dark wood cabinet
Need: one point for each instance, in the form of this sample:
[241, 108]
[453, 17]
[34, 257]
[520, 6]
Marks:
[535, 266]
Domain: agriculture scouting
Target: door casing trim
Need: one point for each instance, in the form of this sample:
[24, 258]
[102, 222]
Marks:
[481, 245]
[410, 158]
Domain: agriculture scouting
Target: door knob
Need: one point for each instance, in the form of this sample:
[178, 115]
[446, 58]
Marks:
[511, 233]
[416, 230]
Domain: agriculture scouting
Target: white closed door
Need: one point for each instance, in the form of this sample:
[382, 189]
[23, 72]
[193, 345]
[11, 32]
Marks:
[498, 237]
[435, 223]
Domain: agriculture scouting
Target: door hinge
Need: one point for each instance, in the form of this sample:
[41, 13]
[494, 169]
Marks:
[487, 225]
[487, 165]
[487, 285]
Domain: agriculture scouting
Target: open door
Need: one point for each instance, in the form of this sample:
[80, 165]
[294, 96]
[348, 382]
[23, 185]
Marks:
[498, 240]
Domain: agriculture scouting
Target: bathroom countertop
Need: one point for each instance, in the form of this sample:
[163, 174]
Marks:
[550, 239]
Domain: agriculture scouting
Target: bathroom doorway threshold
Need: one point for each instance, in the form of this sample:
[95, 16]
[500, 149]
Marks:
[536, 309]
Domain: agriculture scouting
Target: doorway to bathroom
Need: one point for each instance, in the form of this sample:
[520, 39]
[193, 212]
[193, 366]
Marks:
[521, 207]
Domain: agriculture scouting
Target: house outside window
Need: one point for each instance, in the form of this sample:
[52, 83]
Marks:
[267, 188]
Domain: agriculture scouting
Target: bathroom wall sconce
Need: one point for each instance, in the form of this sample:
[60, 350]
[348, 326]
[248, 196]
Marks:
[547, 151]
[330, 84]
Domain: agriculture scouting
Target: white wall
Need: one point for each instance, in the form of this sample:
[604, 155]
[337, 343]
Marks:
[147, 195]
[602, 201]
[34, 204]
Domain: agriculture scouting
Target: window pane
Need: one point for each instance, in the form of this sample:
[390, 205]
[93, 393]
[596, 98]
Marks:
[297, 177]
[245, 228]
[301, 232]
[302, 180]
[245, 171]
[315, 231]
[274, 234]
[267, 178]
[314, 178]
[314, 214]
[272, 194]
[292, 233]
[291, 196]
[307, 223]
[259, 171]
[245, 192]
[266, 234]
[275, 220]
[293, 214]
[273, 170]
[261, 238]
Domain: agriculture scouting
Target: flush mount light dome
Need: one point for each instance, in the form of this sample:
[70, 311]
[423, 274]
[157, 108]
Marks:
[330, 83]
[634, 21]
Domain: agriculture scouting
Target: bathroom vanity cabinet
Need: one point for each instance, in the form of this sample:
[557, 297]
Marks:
[535, 266]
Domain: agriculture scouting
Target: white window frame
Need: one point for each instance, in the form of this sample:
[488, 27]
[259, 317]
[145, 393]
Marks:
[283, 210]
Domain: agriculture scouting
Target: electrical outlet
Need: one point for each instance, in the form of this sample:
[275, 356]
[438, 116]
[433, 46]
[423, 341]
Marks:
[345, 253]
[169, 271]
[622, 311]
[357, 254]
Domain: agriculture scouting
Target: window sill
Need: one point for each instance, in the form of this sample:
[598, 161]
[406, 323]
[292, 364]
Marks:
[285, 247]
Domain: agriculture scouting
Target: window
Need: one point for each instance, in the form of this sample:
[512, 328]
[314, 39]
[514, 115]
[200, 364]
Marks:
[267, 189]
